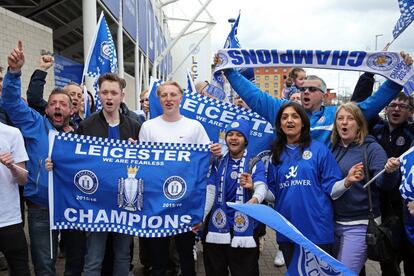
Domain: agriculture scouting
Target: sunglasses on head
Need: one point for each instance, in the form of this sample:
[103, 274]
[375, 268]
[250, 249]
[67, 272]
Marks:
[310, 89]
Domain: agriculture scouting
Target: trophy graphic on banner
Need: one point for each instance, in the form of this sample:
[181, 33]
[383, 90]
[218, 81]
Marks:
[131, 191]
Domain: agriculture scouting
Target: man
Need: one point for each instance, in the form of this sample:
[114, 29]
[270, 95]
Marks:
[35, 129]
[12, 173]
[313, 93]
[36, 87]
[172, 127]
[109, 123]
[3, 116]
[396, 136]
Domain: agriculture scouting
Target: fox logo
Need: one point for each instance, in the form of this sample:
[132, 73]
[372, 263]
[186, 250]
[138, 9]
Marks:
[293, 172]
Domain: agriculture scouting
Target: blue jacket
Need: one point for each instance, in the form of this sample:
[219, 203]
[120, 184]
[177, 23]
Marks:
[302, 185]
[321, 121]
[353, 204]
[35, 129]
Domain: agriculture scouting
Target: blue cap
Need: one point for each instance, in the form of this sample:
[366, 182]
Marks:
[240, 125]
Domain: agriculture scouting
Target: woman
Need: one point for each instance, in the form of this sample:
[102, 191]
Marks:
[304, 176]
[351, 141]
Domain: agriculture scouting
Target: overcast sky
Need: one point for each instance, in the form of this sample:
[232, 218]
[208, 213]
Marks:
[305, 24]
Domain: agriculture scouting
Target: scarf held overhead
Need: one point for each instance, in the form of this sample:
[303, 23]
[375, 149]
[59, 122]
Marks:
[388, 64]
[146, 190]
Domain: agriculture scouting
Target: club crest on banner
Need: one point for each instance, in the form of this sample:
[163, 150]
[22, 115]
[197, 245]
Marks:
[219, 218]
[382, 61]
[241, 222]
[106, 50]
[309, 264]
[174, 188]
[222, 59]
[131, 191]
[86, 181]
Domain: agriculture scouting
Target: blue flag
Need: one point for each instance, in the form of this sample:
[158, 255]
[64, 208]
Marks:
[407, 16]
[107, 185]
[407, 171]
[308, 259]
[233, 42]
[101, 57]
[409, 87]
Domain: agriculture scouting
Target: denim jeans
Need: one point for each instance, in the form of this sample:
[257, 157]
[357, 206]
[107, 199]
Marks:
[39, 232]
[350, 246]
[95, 248]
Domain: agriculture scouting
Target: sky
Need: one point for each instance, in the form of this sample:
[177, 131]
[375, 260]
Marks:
[308, 25]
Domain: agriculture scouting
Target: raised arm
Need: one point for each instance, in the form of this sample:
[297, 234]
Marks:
[260, 102]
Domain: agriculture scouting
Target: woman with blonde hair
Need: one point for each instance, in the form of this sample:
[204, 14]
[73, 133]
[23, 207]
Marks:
[352, 145]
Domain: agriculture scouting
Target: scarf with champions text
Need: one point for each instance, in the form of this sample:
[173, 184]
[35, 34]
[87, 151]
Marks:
[145, 189]
[388, 64]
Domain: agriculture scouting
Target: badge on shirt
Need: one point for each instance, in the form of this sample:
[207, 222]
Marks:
[321, 120]
[400, 141]
[307, 155]
[233, 175]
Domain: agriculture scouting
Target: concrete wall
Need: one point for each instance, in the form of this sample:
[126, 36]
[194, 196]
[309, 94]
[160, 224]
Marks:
[35, 37]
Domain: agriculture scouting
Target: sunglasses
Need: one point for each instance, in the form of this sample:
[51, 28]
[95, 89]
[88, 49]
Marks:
[310, 89]
[401, 106]
[144, 100]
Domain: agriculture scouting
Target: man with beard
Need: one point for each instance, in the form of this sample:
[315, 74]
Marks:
[35, 129]
[36, 87]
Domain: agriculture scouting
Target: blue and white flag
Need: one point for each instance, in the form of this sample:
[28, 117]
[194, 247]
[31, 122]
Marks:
[101, 57]
[107, 185]
[409, 87]
[232, 41]
[407, 16]
[308, 259]
[407, 171]
[388, 64]
[214, 115]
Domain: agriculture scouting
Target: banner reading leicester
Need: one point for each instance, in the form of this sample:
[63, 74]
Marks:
[146, 190]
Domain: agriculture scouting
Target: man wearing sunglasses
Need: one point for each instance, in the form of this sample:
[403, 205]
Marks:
[321, 117]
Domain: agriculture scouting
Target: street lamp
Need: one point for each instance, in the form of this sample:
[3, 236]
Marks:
[376, 41]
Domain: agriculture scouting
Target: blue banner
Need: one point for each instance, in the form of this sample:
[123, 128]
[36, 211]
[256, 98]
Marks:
[129, 15]
[143, 25]
[67, 71]
[407, 172]
[388, 64]
[308, 258]
[146, 190]
[214, 115]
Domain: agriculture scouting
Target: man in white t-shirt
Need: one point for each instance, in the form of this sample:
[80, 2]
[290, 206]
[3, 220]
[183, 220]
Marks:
[172, 127]
[12, 173]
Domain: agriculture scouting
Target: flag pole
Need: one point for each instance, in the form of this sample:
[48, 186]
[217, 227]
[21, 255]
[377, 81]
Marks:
[389, 43]
[383, 170]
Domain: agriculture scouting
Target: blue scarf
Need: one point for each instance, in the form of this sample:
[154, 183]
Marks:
[219, 225]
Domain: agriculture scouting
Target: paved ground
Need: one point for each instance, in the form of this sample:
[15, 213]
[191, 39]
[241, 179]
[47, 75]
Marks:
[266, 261]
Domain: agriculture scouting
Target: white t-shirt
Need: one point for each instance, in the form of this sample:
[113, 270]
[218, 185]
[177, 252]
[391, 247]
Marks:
[11, 140]
[185, 130]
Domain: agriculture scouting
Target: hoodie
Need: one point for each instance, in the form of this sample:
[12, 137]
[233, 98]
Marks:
[353, 204]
